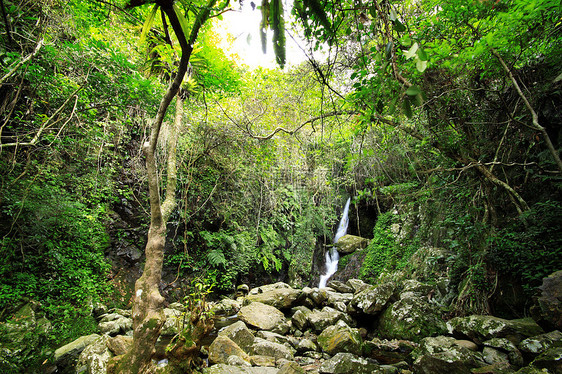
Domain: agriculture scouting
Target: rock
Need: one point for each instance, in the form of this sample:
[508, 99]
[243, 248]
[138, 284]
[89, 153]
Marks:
[258, 360]
[95, 357]
[291, 368]
[222, 348]
[492, 355]
[373, 299]
[320, 319]
[261, 316]
[340, 286]
[481, 328]
[115, 323]
[237, 361]
[541, 343]
[267, 348]
[340, 338]
[226, 307]
[173, 320]
[411, 318]
[242, 290]
[548, 308]
[66, 356]
[306, 345]
[319, 296]
[268, 287]
[120, 344]
[441, 354]
[418, 288]
[531, 370]
[507, 347]
[347, 363]
[300, 319]
[551, 360]
[495, 368]
[468, 344]
[351, 243]
[229, 369]
[278, 297]
[388, 351]
[240, 334]
[357, 284]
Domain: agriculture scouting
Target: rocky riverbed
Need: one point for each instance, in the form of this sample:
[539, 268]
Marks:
[351, 327]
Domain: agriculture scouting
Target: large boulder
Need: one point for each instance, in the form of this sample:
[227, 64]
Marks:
[551, 360]
[173, 320]
[540, 343]
[388, 351]
[222, 348]
[320, 319]
[480, 328]
[351, 243]
[66, 356]
[411, 318]
[261, 316]
[347, 363]
[373, 299]
[283, 297]
[548, 308]
[340, 338]
[442, 354]
[240, 334]
[95, 357]
[115, 323]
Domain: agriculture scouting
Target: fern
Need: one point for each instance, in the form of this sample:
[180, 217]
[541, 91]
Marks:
[216, 258]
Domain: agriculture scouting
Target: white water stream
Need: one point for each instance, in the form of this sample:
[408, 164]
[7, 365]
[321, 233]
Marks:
[332, 256]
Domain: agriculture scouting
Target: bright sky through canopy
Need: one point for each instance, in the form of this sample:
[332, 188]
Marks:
[240, 38]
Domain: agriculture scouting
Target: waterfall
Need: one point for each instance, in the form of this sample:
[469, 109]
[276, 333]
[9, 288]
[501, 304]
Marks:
[332, 256]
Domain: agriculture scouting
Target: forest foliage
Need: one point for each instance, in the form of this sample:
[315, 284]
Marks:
[446, 111]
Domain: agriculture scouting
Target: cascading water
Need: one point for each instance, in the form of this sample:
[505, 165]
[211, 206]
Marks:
[332, 256]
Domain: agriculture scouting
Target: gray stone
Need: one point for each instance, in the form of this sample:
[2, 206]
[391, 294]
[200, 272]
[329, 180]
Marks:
[306, 345]
[240, 334]
[229, 369]
[551, 360]
[261, 316]
[548, 308]
[115, 323]
[481, 328]
[267, 348]
[259, 360]
[290, 367]
[541, 343]
[320, 319]
[506, 346]
[67, 355]
[373, 299]
[347, 363]
[226, 307]
[300, 319]
[442, 354]
[173, 321]
[492, 355]
[95, 357]
[340, 287]
[357, 284]
[237, 361]
[277, 297]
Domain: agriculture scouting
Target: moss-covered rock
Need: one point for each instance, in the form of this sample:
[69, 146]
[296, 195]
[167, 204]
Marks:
[411, 318]
[373, 299]
[441, 354]
[551, 360]
[340, 338]
[346, 363]
[240, 334]
[222, 348]
[67, 355]
[351, 243]
[480, 328]
[261, 316]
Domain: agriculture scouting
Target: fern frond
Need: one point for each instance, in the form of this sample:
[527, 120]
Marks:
[148, 24]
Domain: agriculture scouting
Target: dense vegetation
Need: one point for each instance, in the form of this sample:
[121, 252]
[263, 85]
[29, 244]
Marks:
[439, 116]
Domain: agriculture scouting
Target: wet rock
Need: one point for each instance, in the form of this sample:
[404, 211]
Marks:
[351, 243]
[300, 319]
[120, 344]
[340, 338]
[346, 363]
[67, 355]
[551, 360]
[373, 299]
[481, 328]
[240, 334]
[548, 308]
[261, 316]
[222, 348]
[259, 360]
[115, 323]
[505, 346]
[95, 357]
[411, 318]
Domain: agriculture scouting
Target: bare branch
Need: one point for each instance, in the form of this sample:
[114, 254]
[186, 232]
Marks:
[23, 61]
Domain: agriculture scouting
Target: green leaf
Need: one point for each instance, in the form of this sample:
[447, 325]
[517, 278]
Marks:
[413, 91]
[398, 26]
[407, 108]
[421, 65]
[422, 55]
[388, 50]
[147, 24]
[412, 51]
[183, 21]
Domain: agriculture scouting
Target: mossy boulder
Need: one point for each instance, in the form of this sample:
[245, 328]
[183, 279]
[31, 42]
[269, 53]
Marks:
[351, 243]
[373, 299]
[480, 328]
[346, 363]
[551, 360]
[66, 356]
[442, 354]
[222, 348]
[95, 357]
[411, 318]
[261, 316]
[340, 338]
[279, 297]
[240, 334]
